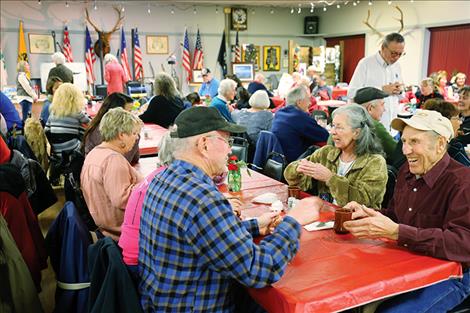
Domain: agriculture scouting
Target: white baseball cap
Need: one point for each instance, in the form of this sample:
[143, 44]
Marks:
[426, 120]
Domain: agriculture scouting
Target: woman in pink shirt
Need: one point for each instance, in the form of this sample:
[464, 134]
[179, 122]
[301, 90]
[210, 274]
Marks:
[114, 74]
[107, 178]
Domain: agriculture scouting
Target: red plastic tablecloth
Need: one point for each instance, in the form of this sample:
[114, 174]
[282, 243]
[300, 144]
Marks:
[338, 92]
[334, 272]
[277, 101]
[150, 137]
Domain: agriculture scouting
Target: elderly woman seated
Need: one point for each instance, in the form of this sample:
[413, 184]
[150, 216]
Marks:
[92, 136]
[227, 91]
[351, 170]
[257, 118]
[107, 178]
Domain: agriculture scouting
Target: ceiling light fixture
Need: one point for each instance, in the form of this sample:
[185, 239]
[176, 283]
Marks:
[370, 2]
[389, 2]
[253, 11]
[324, 9]
[291, 10]
[67, 4]
[354, 3]
[338, 6]
[39, 1]
[195, 10]
[271, 11]
[95, 7]
[299, 10]
[216, 10]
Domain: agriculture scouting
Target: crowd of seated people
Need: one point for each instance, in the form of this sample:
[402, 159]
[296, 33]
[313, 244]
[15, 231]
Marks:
[349, 164]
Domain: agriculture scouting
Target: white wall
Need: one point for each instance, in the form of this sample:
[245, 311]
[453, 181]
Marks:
[418, 16]
[263, 29]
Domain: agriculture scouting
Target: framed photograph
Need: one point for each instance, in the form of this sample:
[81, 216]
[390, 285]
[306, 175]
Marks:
[305, 54]
[251, 54]
[271, 58]
[197, 76]
[157, 44]
[41, 43]
[244, 71]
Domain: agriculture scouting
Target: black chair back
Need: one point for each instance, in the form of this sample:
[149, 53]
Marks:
[240, 148]
[275, 165]
[390, 187]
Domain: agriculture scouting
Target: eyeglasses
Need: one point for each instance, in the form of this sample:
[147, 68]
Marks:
[396, 54]
[337, 128]
[228, 141]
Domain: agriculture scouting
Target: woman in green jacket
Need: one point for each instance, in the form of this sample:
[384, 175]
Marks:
[351, 170]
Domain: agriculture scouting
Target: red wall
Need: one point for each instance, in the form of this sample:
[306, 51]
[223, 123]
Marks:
[450, 49]
[354, 50]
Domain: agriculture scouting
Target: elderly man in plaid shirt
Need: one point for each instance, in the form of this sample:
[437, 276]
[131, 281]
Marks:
[193, 249]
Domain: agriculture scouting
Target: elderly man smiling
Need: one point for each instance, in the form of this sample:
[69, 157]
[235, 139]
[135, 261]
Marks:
[429, 212]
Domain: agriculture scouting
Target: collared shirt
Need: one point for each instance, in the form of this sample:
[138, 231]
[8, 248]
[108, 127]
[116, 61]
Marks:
[373, 71]
[433, 211]
[192, 247]
[210, 88]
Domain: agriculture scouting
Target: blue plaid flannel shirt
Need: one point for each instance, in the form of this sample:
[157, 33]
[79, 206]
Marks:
[192, 247]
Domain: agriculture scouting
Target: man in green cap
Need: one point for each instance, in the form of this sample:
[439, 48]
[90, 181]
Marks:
[193, 251]
[372, 99]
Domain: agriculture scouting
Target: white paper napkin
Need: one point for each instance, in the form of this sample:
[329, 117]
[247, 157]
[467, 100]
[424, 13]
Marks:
[319, 225]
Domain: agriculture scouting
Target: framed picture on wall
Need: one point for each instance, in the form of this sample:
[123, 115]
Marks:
[157, 44]
[197, 76]
[271, 58]
[251, 54]
[244, 71]
[41, 43]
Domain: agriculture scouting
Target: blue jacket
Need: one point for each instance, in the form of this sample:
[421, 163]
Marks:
[9, 112]
[296, 131]
[210, 88]
[221, 105]
[255, 86]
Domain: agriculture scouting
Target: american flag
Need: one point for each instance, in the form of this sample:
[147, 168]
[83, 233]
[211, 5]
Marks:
[238, 53]
[186, 56]
[139, 69]
[90, 57]
[198, 59]
[67, 46]
[124, 59]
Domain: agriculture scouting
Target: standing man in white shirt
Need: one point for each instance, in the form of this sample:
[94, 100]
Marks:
[382, 71]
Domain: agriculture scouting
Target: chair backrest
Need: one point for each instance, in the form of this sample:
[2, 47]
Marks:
[240, 148]
[267, 143]
[390, 187]
[275, 165]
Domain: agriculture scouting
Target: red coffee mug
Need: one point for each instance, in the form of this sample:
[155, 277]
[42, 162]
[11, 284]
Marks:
[342, 215]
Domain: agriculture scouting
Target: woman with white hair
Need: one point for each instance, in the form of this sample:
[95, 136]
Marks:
[353, 169]
[107, 178]
[257, 118]
[167, 103]
[227, 91]
[60, 70]
[114, 74]
[25, 93]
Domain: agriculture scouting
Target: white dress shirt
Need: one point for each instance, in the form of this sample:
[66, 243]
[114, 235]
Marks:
[373, 71]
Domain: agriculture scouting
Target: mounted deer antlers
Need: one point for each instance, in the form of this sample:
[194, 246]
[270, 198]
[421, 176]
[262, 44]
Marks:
[104, 36]
[366, 22]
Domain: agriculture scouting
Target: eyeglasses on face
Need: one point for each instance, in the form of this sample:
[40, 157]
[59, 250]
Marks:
[228, 141]
[395, 54]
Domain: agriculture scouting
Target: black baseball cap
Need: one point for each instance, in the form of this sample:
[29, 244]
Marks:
[205, 71]
[199, 120]
[367, 94]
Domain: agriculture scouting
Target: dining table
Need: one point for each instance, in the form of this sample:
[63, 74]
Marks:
[333, 272]
[150, 136]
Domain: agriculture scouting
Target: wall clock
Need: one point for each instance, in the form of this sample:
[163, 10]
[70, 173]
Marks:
[239, 19]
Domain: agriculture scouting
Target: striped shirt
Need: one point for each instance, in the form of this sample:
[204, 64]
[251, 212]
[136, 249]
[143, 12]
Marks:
[65, 133]
[193, 248]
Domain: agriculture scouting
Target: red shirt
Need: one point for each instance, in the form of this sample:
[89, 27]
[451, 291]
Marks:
[434, 211]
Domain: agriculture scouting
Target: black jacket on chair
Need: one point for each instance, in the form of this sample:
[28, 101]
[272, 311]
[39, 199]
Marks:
[112, 289]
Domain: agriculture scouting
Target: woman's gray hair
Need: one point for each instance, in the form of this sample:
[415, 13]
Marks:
[226, 85]
[118, 121]
[165, 151]
[357, 118]
[296, 94]
[58, 58]
[165, 86]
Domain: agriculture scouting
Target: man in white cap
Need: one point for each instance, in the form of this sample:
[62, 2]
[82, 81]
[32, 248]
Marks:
[429, 212]
[210, 85]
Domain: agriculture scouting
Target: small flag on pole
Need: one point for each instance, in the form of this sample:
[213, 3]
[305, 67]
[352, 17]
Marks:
[124, 59]
[22, 53]
[90, 58]
[186, 56]
[139, 70]
[238, 52]
[198, 59]
[221, 55]
[67, 47]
